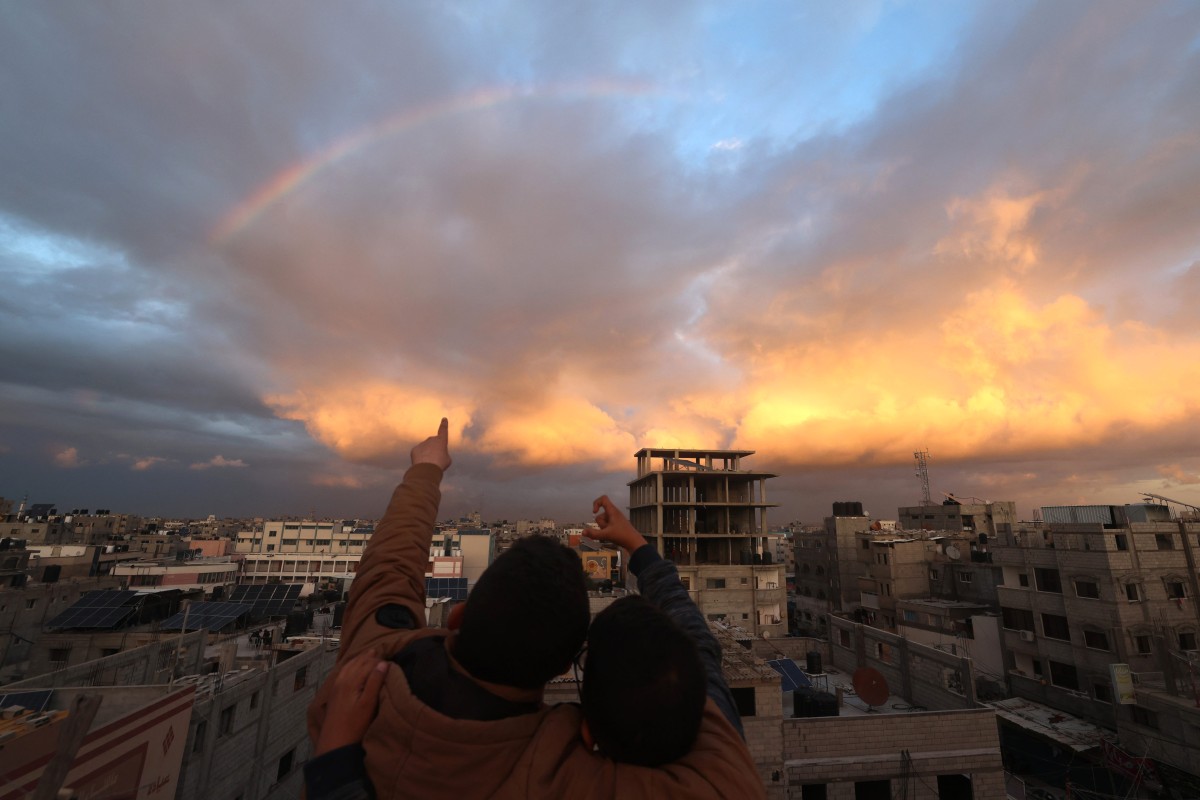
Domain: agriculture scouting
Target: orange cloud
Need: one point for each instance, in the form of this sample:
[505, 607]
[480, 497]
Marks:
[68, 458]
[998, 374]
[558, 430]
[361, 421]
[143, 464]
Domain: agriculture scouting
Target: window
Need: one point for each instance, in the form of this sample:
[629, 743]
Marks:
[1088, 589]
[285, 765]
[1187, 641]
[814, 791]
[1055, 627]
[1096, 640]
[1064, 675]
[226, 726]
[1047, 580]
[844, 638]
[956, 786]
[201, 732]
[744, 698]
[820, 570]
[1164, 541]
[714, 583]
[1102, 692]
[31, 604]
[1133, 592]
[866, 543]
[254, 700]
[1142, 643]
[1016, 619]
[743, 581]
[687, 583]
[965, 577]
[910, 616]
[1143, 716]
[933, 574]
[1122, 541]
[873, 790]
[301, 679]
[1023, 579]
[1175, 590]
[60, 655]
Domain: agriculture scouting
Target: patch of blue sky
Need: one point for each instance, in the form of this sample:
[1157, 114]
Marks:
[27, 249]
[784, 75]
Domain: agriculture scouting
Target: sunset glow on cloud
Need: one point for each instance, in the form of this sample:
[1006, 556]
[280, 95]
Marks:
[833, 236]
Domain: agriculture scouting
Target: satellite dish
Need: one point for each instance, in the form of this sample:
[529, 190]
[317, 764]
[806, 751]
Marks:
[953, 552]
[871, 686]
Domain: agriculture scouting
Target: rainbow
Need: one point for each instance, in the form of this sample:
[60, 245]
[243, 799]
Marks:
[291, 178]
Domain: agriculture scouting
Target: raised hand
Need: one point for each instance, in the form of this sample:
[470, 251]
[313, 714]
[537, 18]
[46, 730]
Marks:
[614, 527]
[434, 450]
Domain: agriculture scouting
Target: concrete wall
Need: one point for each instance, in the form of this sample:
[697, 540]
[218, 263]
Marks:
[927, 677]
[149, 664]
[911, 750]
[268, 721]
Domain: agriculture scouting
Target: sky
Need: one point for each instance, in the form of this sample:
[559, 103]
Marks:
[250, 256]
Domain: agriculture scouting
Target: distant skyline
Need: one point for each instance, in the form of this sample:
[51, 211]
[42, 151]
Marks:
[249, 257]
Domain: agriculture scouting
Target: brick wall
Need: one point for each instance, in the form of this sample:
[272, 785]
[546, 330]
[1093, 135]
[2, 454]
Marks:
[911, 750]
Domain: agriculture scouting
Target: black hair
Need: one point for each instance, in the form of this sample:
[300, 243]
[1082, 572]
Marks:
[644, 687]
[527, 616]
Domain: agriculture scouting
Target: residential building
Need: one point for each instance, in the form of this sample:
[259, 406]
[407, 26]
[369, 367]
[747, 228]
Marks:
[1079, 597]
[703, 511]
[202, 574]
[954, 515]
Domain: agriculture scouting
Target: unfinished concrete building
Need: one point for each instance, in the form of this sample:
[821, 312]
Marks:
[706, 513]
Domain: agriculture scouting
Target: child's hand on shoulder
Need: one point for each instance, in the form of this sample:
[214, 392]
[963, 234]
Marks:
[353, 702]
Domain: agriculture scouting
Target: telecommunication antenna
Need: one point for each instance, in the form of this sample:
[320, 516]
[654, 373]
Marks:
[922, 457]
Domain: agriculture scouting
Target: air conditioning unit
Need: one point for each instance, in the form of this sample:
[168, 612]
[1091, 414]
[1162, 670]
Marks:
[1027, 636]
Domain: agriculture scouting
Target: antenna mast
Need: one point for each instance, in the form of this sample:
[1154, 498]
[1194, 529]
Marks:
[922, 457]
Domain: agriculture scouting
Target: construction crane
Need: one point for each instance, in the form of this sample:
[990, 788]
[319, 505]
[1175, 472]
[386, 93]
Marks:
[1150, 496]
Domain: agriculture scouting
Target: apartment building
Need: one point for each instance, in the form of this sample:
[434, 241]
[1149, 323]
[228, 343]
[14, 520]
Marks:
[707, 514]
[1078, 597]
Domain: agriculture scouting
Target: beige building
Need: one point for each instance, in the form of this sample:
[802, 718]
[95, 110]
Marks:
[979, 517]
[707, 514]
[1078, 597]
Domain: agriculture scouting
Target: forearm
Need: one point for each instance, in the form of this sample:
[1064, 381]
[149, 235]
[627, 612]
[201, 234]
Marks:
[658, 581]
[338, 775]
[391, 573]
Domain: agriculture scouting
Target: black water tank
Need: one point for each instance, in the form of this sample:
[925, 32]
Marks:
[766, 558]
[813, 667]
[808, 702]
[747, 558]
[218, 593]
[839, 509]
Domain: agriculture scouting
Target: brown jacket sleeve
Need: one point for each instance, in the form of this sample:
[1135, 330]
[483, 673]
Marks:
[391, 573]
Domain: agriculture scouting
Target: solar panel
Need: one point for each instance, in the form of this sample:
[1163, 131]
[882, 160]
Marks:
[268, 600]
[454, 588]
[792, 677]
[34, 701]
[97, 609]
[214, 616]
